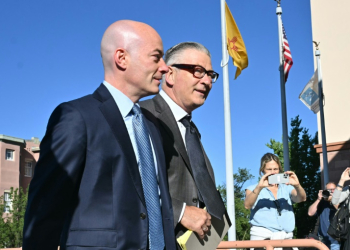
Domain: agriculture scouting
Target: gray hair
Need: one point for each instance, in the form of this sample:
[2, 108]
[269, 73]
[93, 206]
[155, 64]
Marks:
[172, 54]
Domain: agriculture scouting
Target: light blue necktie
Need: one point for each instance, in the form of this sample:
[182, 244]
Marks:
[149, 180]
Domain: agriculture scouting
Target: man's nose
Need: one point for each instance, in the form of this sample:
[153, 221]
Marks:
[207, 80]
[163, 67]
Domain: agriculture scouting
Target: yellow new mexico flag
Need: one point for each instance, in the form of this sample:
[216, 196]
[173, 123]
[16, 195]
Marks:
[235, 44]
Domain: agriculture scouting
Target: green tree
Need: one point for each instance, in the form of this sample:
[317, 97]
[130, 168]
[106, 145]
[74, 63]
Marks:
[305, 162]
[242, 214]
[11, 224]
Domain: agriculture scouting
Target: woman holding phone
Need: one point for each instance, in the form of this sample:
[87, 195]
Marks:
[271, 208]
[341, 194]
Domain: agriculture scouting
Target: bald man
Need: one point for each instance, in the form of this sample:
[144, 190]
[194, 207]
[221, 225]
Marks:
[100, 182]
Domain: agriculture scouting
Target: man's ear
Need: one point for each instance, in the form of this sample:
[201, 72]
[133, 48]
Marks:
[170, 77]
[120, 58]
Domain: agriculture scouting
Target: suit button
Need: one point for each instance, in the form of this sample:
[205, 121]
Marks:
[142, 216]
[194, 200]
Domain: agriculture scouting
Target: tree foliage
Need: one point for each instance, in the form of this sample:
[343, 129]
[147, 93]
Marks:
[241, 214]
[305, 162]
[11, 224]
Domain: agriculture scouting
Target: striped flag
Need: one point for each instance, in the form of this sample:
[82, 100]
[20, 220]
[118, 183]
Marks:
[288, 61]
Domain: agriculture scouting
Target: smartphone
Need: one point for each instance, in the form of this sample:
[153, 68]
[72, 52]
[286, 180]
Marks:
[278, 178]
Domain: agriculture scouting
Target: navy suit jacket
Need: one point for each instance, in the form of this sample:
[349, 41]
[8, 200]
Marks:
[86, 192]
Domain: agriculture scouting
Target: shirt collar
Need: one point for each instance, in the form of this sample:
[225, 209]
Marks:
[177, 111]
[123, 102]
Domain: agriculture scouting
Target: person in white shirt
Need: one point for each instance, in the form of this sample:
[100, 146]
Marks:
[185, 88]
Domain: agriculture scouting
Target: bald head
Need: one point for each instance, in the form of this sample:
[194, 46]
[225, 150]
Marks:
[132, 58]
[124, 34]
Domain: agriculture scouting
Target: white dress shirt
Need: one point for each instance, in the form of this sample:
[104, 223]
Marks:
[178, 113]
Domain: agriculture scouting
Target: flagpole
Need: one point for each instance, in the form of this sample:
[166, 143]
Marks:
[320, 99]
[283, 90]
[228, 135]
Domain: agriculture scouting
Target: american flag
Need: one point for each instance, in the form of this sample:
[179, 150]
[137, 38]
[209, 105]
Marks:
[288, 61]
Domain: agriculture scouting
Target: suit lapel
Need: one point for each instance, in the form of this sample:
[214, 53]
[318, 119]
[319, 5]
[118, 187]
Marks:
[115, 120]
[169, 124]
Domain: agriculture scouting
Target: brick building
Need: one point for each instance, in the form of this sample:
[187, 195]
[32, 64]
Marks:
[17, 162]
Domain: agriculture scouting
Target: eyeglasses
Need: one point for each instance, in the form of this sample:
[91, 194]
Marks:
[198, 71]
[331, 190]
[278, 207]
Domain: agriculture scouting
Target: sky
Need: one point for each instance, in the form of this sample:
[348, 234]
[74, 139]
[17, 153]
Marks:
[50, 53]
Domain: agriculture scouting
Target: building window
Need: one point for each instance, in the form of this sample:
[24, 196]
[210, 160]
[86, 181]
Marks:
[10, 155]
[7, 202]
[28, 169]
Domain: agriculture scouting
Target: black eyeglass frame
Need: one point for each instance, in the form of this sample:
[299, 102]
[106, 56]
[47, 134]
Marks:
[210, 73]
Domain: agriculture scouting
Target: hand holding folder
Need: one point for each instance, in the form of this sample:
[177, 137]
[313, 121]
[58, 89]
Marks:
[218, 230]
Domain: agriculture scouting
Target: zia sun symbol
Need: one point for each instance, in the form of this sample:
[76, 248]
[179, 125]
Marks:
[232, 43]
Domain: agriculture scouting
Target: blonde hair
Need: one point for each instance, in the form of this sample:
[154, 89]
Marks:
[267, 158]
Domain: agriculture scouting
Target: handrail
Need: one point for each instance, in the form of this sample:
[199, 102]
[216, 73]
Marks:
[270, 244]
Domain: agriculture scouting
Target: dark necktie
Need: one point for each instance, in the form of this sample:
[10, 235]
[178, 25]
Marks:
[205, 185]
[149, 181]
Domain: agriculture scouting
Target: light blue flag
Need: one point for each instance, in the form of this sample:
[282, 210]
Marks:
[309, 95]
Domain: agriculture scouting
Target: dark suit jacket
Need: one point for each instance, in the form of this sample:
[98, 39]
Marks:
[181, 183]
[86, 192]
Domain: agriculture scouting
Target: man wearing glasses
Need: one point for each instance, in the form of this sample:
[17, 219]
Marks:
[191, 178]
[325, 211]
